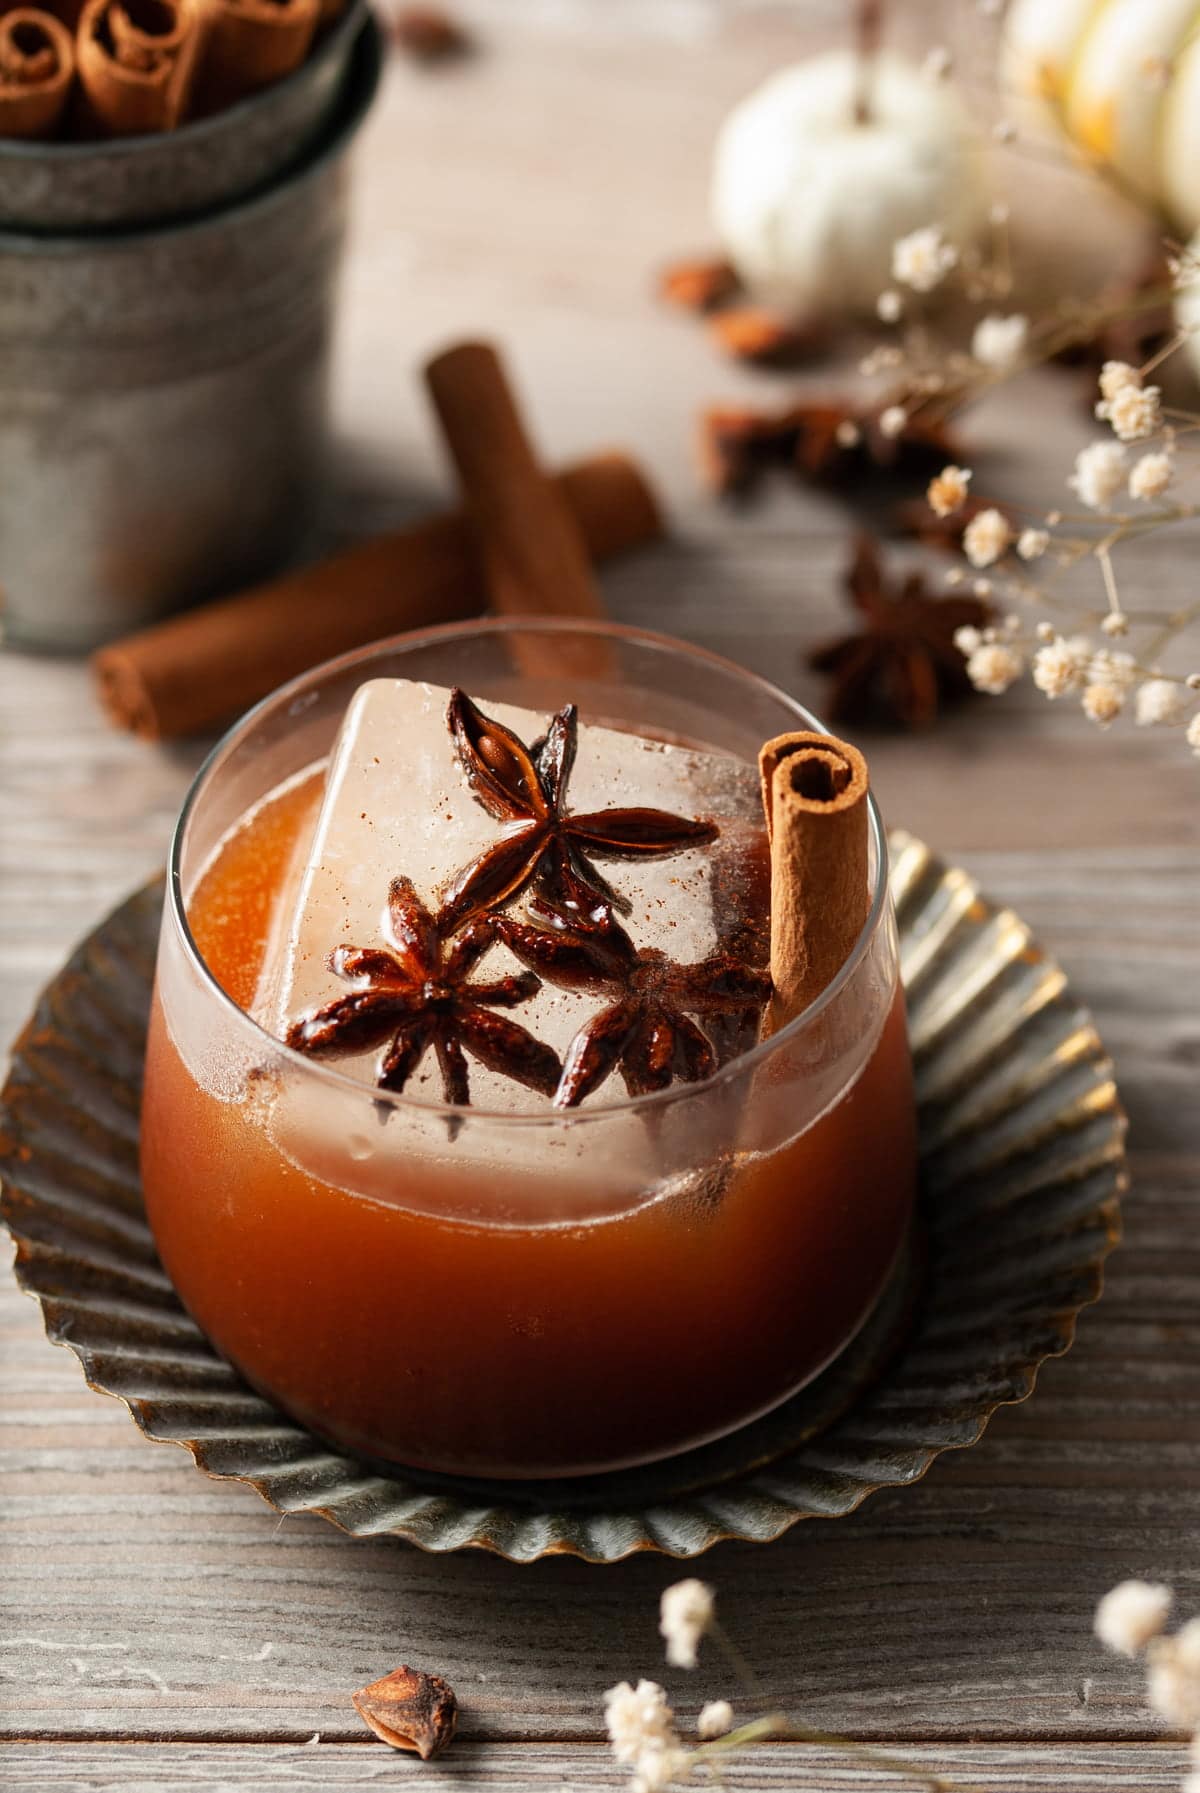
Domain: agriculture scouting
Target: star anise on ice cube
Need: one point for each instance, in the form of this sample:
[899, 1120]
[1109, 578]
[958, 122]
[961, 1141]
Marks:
[647, 1030]
[902, 662]
[418, 998]
[526, 789]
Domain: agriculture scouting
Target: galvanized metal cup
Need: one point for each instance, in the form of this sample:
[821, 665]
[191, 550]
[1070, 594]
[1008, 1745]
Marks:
[163, 414]
[130, 182]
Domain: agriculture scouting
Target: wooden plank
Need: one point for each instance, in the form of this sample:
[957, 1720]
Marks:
[501, 1768]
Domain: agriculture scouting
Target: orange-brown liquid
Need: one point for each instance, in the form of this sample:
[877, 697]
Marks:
[509, 1350]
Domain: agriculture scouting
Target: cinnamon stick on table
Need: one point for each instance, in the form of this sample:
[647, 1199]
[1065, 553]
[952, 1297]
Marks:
[183, 675]
[37, 72]
[247, 44]
[815, 797]
[136, 60]
[534, 556]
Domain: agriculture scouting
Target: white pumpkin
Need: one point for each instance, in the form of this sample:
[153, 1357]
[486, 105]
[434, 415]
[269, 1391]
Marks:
[808, 201]
[1096, 63]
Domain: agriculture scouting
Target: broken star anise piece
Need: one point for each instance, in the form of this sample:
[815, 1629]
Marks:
[700, 285]
[826, 440]
[417, 998]
[902, 662]
[647, 1030]
[526, 789]
[410, 1710]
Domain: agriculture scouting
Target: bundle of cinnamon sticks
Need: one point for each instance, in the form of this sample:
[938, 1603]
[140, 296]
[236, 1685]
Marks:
[123, 68]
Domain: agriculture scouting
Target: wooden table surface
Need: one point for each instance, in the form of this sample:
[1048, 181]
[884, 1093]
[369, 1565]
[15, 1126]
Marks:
[161, 1630]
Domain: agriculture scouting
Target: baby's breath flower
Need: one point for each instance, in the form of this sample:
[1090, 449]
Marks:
[981, 588]
[948, 490]
[892, 421]
[955, 576]
[1099, 473]
[937, 64]
[1062, 665]
[1102, 704]
[998, 341]
[1151, 476]
[685, 1614]
[1115, 376]
[1117, 670]
[1052, 519]
[1133, 412]
[715, 1719]
[1159, 702]
[993, 667]
[923, 258]
[638, 1719]
[1032, 543]
[889, 305]
[1131, 1614]
[1192, 734]
[986, 537]
[847, 434]
[660, 1768]
[1173, 1675]
[1046, 632]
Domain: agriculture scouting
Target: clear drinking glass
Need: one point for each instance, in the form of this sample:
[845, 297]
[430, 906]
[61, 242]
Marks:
[513, 1295]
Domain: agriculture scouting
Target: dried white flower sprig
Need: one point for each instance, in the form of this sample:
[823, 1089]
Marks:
[1058, 649]
[1132, 1620]
[646, 1738]
[1145, 458]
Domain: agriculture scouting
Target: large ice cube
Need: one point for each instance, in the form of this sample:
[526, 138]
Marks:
[397, 802]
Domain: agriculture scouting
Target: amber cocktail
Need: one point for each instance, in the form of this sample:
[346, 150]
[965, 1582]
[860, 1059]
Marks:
[539, 1289]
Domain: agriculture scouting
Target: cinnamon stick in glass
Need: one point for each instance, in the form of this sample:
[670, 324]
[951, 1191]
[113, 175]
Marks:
[534, 556]
[37, 72]
[815, 797]
[136, 61]
[186, 674]
[248, 44]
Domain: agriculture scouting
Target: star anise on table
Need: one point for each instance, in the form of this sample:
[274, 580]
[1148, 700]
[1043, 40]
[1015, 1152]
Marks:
[419, 998]
[825, 440]
[647, 1030]
[902, 663]
[542, 842]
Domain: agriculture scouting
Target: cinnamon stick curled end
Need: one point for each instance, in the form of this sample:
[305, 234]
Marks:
[410, 1710]
[815, 791]
[37, 68]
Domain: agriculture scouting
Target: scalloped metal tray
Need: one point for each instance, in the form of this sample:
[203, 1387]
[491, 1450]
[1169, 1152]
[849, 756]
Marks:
[1023, 1165]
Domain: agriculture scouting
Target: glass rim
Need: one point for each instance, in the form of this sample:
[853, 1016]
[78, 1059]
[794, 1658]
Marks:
[287, 693]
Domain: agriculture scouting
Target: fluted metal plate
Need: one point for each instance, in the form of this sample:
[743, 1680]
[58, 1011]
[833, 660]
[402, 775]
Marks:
[1022, 1169]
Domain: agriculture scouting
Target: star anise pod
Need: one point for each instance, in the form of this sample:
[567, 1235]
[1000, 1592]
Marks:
[826, 440]
[418, 997]
[526, 789]
[647, 1030]
[902, 662]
